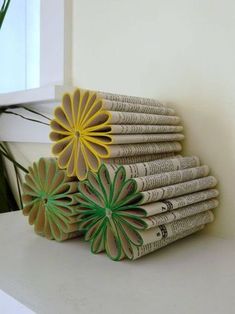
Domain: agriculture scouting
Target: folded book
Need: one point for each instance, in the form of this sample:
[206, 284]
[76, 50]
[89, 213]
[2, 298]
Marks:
[136, 193]
[90, 127]
[130, 210]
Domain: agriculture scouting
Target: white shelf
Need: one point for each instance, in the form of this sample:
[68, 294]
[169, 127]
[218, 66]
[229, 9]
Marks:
[195, 275]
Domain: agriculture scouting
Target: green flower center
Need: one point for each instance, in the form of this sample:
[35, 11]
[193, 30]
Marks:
[45, 198]
[108, 212]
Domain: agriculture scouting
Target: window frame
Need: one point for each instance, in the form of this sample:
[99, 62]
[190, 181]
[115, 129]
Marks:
[55, 54]
[55, 74]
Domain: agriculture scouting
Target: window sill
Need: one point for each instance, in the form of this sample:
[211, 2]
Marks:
[33, 96]
[16, 129]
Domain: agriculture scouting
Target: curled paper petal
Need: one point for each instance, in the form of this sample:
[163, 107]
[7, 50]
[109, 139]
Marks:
[49, 199]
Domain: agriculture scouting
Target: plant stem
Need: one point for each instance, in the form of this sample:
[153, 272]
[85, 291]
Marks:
[12, 160]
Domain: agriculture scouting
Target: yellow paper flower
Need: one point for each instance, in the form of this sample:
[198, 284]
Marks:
[80, 133]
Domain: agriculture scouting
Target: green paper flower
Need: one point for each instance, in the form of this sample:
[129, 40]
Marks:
[49, 200]
[109, 213]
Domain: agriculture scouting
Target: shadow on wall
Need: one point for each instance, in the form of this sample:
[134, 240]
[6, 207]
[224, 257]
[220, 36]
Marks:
[211, 138]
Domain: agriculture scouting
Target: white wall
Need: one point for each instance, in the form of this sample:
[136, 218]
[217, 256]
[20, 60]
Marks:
[180, 51]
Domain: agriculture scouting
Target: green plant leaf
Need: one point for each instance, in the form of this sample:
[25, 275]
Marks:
[6, 154]
[3, 188]
[8, 202]
[3, 11]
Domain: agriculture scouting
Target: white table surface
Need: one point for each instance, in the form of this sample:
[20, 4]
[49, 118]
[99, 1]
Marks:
[10, 305]
[194, 275]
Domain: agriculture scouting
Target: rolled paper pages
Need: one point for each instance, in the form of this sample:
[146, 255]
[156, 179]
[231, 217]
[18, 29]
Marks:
[149, 168]
[117, 219]
[135, 159]
[49, 200]
[139, 251]
[129, 99]
[90, 127]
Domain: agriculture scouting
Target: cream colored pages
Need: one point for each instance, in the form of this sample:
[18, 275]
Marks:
[167, 178]
[178, 202]
[146, 138]
[139, 251]
[130, 107]
[143, 169]
[178, 189]
[143, 149]
[165, 218]
[176, 227]
[129, 99]
[140, 129]
[141, 118]
[137, 159]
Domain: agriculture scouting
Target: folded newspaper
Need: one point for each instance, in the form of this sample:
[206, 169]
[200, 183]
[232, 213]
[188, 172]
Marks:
[90, 127]
[131, 210]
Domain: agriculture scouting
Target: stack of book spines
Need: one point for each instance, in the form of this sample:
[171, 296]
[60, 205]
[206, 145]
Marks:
[140, 129]
[177, 194]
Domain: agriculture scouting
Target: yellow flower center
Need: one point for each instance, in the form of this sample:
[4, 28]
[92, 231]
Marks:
[77, 134]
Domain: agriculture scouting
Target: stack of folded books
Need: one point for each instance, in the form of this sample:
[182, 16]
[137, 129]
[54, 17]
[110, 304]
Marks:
[118, 178]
